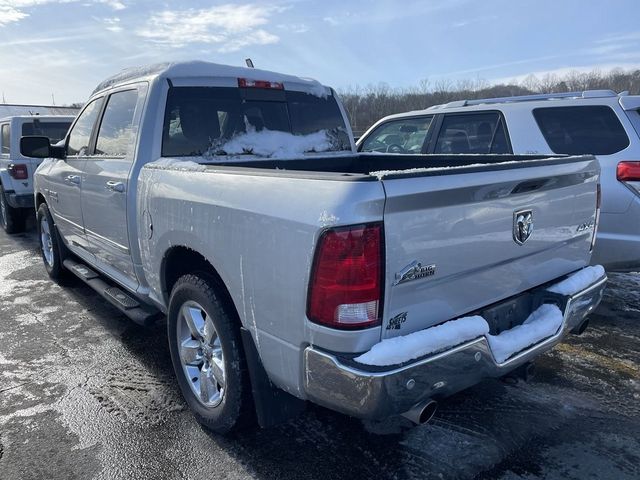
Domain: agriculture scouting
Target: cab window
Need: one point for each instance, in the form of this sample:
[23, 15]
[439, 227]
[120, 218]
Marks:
[80, 134]
[6, 138]
[483, 133]
[398, 136]
[116, 135]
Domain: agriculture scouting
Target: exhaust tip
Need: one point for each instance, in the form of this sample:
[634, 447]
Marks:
[422, 413]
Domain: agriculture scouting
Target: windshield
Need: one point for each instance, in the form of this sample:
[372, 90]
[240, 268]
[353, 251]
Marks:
[211, 121]
[56, 131]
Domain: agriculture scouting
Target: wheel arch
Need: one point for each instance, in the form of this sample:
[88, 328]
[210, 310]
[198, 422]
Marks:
[180, 260]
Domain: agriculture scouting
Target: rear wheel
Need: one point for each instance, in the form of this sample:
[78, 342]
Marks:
[11, 219]
[207, 355]
[50, 244]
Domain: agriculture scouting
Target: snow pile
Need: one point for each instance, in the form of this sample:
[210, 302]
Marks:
[272, 143]
[393, 351]
[541, 324]
[578, 281]
[176, 164]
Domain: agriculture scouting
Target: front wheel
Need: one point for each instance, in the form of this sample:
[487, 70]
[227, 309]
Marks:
[50, 246]
[12, 220]
[207, 355]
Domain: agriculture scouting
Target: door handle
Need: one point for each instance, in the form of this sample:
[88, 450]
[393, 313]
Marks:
[115, 186]
[74, 179]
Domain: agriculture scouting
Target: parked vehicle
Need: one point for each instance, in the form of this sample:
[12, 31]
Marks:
[16, 170]
[598, 122]
[291, 268]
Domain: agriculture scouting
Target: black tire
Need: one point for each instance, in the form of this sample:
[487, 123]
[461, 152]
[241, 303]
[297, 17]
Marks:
[235, 403]
[13, 220]
[58, 250]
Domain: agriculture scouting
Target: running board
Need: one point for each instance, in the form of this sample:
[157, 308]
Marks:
[139, 312]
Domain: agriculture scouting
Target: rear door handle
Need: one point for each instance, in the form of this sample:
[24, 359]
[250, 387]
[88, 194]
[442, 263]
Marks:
[115, 186]
[74, 179]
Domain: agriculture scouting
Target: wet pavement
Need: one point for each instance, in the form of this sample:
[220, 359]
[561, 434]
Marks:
[84, 393]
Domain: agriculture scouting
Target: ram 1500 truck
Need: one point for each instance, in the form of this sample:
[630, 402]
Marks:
[16, 171]
[291, 268]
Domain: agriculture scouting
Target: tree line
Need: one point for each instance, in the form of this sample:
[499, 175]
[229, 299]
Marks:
[366, 105]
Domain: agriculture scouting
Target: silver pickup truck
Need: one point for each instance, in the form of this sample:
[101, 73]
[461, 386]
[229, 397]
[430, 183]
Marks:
[292, 269]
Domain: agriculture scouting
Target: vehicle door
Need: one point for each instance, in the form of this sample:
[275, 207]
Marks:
[106, 182]
[63, 183]
[404, 135]
[470, 133]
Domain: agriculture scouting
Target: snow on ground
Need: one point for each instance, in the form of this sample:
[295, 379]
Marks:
[541, 324]
[578, 281]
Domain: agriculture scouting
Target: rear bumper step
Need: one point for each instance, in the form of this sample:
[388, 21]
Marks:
[140, 313]
[375, 393]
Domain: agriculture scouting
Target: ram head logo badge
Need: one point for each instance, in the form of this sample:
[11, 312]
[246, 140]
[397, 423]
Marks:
[522, 226]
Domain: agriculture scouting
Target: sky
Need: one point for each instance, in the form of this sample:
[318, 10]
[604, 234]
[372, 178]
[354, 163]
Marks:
[59, 50]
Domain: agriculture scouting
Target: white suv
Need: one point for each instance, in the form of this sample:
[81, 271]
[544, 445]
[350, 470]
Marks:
[598, 122]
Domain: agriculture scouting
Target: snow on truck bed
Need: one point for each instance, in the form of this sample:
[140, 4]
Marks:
[543, 323]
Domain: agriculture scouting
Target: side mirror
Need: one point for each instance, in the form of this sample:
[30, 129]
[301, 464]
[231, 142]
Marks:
[39, 147]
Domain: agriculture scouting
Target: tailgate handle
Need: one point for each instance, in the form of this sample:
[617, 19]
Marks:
[530, 185]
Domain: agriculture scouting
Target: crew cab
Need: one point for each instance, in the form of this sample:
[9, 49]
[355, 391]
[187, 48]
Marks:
[293, 269]
[598, 122]
[16, 171]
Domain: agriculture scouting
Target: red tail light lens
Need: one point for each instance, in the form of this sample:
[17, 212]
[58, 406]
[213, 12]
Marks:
[628, 171]
[248, 83]
[18, 171]
[346, 281]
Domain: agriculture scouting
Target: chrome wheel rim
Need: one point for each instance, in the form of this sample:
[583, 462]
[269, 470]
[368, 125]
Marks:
[45, 241]
[3, 210]
[201, 354]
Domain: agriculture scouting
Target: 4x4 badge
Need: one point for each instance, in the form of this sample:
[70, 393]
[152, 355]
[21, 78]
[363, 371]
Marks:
[522, 225]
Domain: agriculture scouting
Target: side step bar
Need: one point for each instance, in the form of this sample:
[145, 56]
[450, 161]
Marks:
[140, 313]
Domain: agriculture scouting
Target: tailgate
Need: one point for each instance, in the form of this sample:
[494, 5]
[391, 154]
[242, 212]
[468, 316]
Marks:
[463, 238]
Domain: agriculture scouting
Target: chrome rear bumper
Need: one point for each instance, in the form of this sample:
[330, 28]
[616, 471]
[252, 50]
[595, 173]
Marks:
[359, 392]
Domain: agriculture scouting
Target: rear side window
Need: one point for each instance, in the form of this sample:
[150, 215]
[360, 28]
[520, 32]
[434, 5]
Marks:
[398, 136]
[80, 135]
[116, 135]
[473, 133]
[582, 130]
[6, 138]
[54, 130]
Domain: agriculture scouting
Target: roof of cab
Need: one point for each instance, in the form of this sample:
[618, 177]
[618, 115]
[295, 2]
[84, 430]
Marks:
[207, 69]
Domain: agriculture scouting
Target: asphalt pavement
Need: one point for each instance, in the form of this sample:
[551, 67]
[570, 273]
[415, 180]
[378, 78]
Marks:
[85, 393]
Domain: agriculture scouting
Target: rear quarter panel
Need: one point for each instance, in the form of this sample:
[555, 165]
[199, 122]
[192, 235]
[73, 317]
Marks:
[259, 233]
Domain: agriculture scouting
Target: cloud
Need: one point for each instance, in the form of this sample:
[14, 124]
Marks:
[230, 27]
[112, 24]
[12, 11]
[9, 15]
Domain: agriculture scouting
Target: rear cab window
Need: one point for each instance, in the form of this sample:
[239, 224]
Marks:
[479, 133]
[218, 121]
[405, 135]
[582, 130]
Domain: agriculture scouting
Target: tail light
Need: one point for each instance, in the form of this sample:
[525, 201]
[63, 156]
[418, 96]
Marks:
[346, 288]
[628, 171]
[248, 83]
[597, 221]
[18, 171]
